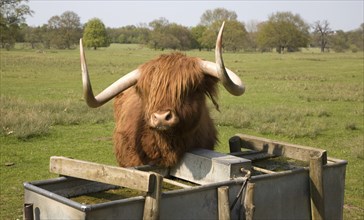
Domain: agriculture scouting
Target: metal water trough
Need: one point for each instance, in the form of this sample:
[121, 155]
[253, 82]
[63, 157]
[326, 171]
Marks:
[227, 186]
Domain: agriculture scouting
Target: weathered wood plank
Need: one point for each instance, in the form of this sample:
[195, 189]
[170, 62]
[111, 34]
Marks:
[277, 148]
[249, 201]
[223, 203]
[119, 176]
[155, 169]
[262, 170]
[153, 199]
[317, 188]
[253, 155]
[175, 183]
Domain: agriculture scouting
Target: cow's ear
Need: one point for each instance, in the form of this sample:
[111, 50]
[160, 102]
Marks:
[210, 88]
[213, 99]
[138, 90]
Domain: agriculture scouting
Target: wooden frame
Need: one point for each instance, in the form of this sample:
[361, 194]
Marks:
[276, 148]
[130, 178]
[317, 158]
[319, 185]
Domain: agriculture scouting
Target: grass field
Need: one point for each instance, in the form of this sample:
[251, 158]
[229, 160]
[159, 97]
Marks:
[305, 98]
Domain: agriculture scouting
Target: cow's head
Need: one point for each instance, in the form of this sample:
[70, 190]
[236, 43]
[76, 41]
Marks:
[172, 87]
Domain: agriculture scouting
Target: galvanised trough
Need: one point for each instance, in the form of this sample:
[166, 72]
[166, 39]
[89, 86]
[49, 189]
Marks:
[258, 179]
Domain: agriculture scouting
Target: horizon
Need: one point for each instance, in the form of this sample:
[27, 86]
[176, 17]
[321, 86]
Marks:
[142, 12]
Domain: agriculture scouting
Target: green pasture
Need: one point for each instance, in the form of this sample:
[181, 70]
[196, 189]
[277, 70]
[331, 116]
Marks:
[305, 98]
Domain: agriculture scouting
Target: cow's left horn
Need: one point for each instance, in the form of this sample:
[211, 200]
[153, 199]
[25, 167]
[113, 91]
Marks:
[229, 79]
[110, 92]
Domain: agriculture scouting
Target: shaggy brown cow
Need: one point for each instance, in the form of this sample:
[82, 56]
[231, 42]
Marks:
[160, 108]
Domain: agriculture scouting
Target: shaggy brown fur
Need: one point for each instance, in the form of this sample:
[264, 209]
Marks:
[171, 82]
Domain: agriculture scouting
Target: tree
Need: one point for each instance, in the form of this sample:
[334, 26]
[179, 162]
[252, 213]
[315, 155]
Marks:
[12, 15]
[54, 33]
[64, 30]
[169, 35]
[33, 35]
[219, 14]
[130, 34]
[158, 39]
[251, 27]
[283, 30]
[355, 39]
[94, 34]
[234, 35]
[197, 34]
[182, 34]
[208, 39]
[159, 24]
[322, 32]
[71, 28]
[340, 41]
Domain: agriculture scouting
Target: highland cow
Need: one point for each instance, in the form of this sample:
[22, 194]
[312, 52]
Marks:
[160, 108]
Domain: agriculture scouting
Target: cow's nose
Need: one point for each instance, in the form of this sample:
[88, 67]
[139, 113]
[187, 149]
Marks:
[163, 120]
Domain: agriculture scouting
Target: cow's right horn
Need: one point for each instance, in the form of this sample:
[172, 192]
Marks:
[229, 79]
[110, 92]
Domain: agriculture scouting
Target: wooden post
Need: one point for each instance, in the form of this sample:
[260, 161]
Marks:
[152, 200]
[235, 144]
[316, 186]
[249, 201]
[28, 211]
[223, 203]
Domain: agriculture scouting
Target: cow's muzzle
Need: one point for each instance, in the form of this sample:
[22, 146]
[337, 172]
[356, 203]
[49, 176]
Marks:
[163, 120]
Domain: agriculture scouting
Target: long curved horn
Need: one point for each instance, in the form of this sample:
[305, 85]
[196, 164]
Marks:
[110, 92]
[229, 79]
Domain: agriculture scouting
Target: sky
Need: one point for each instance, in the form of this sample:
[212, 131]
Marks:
[342, 15]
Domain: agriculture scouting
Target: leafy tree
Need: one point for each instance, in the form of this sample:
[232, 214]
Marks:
[322, 33]
[234, 35]
[37, 36]
[209, 17]
[129, 35]
[71, 28]
[355, 38]
[64, 30]
[113, 34]
[143, 34]
[94, 34]
[33, 35]
[340, 41]
[197, 34]
[159, 24]
[182, 34]
[54, 33]
[12, 15]
[283, 30]
[157, 38]
[208, 39]
[169, 35]
[251, 27]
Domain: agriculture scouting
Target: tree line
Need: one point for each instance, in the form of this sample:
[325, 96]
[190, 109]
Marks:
[282, 32]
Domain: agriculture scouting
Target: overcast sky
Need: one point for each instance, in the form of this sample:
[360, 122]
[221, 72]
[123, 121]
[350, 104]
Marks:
[345, 15]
